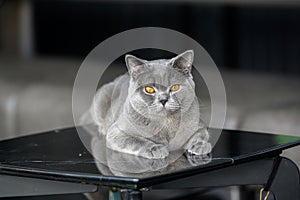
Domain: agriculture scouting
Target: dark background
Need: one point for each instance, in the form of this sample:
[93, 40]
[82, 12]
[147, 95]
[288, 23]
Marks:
[251, 37]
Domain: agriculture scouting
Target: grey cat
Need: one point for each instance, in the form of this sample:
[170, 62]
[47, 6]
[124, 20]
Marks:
[152, 109]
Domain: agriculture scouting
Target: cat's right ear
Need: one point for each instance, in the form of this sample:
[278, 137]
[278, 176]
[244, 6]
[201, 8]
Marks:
[184, 62]
[135, 65]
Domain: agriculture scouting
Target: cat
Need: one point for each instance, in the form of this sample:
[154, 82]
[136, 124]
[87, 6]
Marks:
[152, 109]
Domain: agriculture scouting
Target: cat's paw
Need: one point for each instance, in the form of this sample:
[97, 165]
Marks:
[200, 148]
[196, 160]
[158, 164]
[157, 151]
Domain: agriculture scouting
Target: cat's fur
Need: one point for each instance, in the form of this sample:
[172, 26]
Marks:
[138, 123]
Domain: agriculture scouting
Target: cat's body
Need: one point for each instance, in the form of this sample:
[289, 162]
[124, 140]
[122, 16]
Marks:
[152, 109]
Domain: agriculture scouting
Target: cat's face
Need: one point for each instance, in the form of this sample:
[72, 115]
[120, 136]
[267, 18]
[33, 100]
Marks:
[161, 87]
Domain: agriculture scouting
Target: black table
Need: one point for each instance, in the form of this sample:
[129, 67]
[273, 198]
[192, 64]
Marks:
[57, 162]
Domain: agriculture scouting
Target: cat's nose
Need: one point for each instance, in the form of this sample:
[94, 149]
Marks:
[163, 102]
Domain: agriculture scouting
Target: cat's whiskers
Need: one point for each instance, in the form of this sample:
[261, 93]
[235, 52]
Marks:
[154, 107]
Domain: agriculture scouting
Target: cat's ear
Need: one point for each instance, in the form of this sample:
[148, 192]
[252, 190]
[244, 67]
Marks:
[135, 65]
[184, 62]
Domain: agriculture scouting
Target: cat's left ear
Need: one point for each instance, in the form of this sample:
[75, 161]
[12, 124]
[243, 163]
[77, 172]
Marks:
[184, 62]
[135, 65]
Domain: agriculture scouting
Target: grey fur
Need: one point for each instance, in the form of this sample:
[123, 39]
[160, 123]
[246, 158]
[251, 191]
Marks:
[138, 123]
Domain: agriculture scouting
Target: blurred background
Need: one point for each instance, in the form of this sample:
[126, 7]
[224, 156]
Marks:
[255, 44]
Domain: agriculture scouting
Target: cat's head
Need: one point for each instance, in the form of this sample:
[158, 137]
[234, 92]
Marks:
[161, 87]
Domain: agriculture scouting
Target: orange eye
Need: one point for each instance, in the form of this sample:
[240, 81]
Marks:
[175, 88]
[149, 89]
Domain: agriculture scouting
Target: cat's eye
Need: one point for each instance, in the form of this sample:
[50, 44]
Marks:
[149, 89]
[175, 88]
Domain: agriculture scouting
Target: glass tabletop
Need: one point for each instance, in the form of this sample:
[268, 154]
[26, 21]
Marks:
[61, 155]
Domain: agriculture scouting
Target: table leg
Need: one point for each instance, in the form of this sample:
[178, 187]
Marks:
[133, 195]
[286, 181]
[114, 194]
[285, 184]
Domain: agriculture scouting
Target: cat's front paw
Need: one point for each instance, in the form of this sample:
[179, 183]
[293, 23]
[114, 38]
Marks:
[196, 160]
[156, 151]
[200, 148]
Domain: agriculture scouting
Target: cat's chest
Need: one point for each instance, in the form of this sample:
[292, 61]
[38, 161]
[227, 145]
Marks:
[171, 124]
[169, 127]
